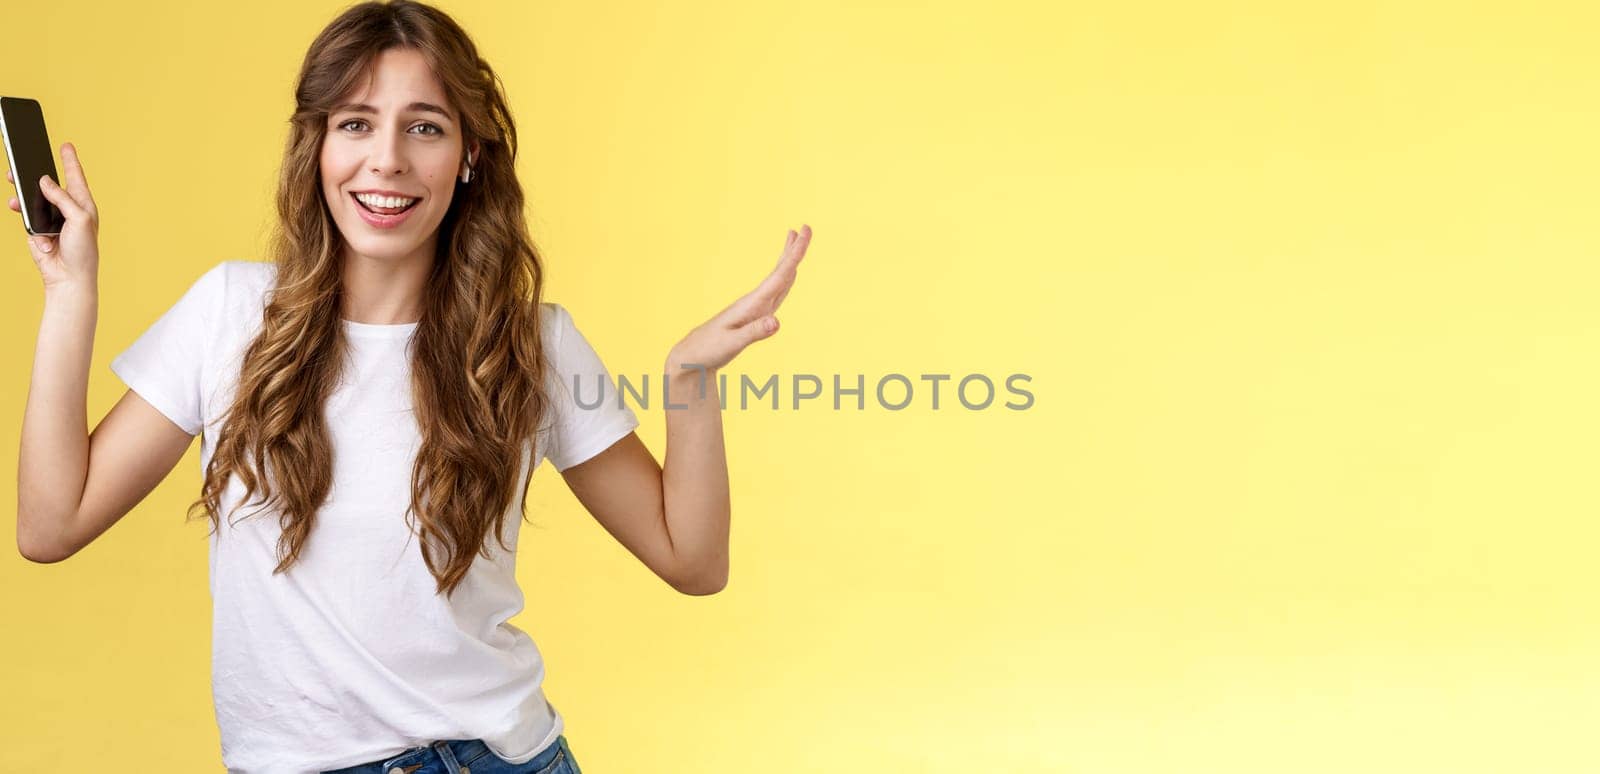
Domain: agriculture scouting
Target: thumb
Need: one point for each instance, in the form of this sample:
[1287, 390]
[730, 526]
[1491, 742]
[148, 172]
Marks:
[759, 328]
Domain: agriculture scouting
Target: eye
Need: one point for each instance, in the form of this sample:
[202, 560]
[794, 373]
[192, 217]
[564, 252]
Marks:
[436, 129]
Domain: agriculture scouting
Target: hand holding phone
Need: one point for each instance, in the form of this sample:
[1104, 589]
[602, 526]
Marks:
[64, 222]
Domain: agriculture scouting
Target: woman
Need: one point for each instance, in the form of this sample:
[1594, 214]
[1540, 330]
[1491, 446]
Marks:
[365, 394]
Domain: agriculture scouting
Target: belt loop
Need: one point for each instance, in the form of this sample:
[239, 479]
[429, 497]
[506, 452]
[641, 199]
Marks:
[450, 764]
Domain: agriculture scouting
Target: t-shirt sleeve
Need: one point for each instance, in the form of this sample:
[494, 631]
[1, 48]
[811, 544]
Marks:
[164, 365]
[578, 432]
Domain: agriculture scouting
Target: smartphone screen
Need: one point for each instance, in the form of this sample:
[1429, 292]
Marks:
[28, 150]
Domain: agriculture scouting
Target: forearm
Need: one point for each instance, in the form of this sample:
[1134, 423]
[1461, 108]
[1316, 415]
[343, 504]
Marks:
[53, 461]
[695, 478]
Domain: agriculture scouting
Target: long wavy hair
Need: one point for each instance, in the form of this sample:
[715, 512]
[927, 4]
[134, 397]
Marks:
[478, 367]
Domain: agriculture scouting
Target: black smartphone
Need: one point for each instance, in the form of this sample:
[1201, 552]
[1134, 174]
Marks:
[28, 150]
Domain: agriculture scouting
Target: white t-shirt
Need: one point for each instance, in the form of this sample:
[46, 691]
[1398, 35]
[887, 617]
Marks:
[350, 655]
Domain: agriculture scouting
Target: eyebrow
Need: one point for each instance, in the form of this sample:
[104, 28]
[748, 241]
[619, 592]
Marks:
[415, 107]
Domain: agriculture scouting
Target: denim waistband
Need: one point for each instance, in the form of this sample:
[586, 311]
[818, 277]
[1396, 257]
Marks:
[454, 753]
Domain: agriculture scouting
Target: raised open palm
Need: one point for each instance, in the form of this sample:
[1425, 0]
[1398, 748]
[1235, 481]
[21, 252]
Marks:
[714, 343]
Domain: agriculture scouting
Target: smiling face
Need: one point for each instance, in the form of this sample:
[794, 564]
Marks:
[390, 160]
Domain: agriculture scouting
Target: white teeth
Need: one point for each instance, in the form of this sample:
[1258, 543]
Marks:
[384, 201]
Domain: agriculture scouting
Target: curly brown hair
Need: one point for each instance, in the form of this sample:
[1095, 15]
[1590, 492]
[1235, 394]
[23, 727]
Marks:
[478, 367]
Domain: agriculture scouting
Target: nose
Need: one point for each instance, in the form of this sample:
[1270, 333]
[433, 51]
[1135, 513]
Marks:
[388, 154]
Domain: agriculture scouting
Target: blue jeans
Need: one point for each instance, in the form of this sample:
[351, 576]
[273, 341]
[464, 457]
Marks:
[458, 756]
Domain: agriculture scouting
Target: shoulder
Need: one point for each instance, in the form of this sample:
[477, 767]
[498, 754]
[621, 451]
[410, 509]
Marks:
[554, 322]
[242, 285]
[552, 313]
[229, 298]
[229, 279]
[246, 275]
[231, 272]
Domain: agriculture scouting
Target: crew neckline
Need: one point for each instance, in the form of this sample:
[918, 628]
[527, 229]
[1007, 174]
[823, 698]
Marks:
[377, 331]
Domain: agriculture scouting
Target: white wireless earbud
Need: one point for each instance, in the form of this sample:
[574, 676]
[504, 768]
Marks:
[466, 170]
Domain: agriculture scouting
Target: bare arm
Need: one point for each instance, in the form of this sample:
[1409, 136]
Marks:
[676, 519]
[694, 481]
[72, 486]
[130, 453]
[53, 462]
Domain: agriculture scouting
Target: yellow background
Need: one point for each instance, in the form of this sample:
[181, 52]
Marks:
[1304, 291]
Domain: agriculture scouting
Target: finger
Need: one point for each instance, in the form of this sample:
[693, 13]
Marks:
[42, 244]
[802, 240]
[77, 184]
[797, 248]
[793, 250]
[758, 329]
[60, 198]
[765, 297]
[777, 302]
[788, 246]
[12, 203]
[798, 253]
[750, 307]
[775, 284]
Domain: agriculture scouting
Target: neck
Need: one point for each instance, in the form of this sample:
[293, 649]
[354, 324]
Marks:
[385, 291]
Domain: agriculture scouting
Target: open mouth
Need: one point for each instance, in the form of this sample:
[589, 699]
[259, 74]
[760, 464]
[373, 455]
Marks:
[378, 209]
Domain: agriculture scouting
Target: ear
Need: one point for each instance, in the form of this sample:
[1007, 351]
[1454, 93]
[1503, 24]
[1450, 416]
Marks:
[472, 153]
